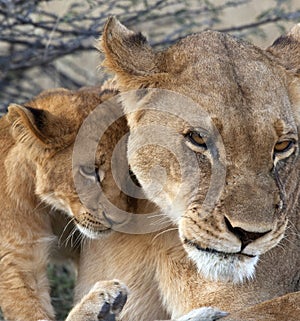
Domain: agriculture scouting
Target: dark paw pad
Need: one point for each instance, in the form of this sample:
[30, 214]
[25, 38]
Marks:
[109, 311]
[119, 302]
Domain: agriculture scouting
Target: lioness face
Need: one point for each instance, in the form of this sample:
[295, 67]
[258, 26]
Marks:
[223, 176]
[45, 130]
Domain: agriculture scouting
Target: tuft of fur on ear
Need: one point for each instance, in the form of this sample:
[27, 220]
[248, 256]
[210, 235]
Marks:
[129, 56]
[35, 126]
[287, 49]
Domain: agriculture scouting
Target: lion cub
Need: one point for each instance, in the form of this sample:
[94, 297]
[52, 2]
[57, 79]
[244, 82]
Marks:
[37, 189]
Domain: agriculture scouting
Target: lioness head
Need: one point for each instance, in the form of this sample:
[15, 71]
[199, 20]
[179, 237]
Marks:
[45, 131]
[233, 126]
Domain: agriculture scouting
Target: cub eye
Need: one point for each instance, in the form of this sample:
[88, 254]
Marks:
[283, 146]
[196, 139]
[90, 172]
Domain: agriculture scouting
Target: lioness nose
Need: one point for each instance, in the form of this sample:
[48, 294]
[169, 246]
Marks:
[246, 237]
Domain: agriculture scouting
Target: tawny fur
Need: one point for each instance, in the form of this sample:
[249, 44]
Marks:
[163, 280]
[38, 191]
[252, 97]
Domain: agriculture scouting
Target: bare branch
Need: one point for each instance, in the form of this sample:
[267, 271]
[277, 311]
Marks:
[35, 38]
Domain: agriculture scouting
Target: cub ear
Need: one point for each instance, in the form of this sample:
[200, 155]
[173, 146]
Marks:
[129, 56]
[33, 125]
[287, 49]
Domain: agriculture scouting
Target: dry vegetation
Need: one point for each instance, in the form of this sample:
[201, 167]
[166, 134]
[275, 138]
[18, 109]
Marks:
[51, 43]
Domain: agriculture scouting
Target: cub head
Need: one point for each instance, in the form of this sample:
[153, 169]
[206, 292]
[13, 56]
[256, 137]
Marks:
[45, 131]
[213, 140]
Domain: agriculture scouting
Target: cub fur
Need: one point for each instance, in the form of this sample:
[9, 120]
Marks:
[38, 190]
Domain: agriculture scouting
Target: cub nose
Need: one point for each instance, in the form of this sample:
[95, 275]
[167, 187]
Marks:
[245, 237]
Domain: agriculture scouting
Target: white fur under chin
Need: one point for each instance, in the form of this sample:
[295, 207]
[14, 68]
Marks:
[217, 267]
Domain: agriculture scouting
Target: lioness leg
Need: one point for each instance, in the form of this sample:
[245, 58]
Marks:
[104, 302]
[283, 308]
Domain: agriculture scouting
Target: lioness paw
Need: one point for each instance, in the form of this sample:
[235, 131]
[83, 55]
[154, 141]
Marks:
[203, 314]
[104, 302]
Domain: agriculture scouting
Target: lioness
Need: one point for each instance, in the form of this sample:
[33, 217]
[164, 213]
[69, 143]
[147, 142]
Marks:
[37, 141]
[243, 137]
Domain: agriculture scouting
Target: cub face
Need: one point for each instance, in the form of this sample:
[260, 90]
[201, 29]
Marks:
[45, 130]
[214, 145]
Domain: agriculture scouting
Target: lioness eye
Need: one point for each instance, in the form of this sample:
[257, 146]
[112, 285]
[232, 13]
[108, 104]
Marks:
[196, 139]
[283, 146]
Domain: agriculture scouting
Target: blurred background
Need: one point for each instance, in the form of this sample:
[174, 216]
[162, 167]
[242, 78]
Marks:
[47, 44]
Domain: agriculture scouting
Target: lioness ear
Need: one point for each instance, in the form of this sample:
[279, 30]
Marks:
[31, 124]
[129, 56]
[287, 49]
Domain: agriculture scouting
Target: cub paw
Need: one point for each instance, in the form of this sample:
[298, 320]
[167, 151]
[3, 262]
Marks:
[104, 302]
[203, 314]
[114, 296]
